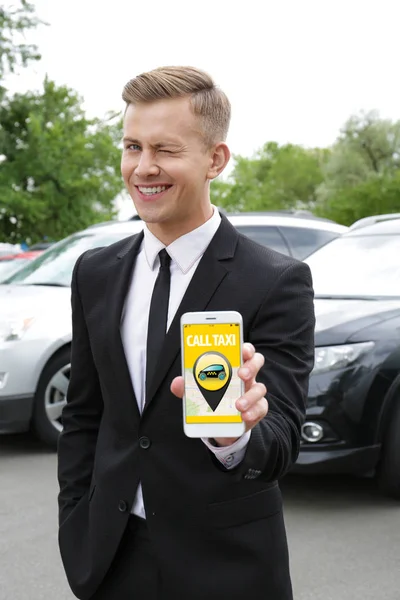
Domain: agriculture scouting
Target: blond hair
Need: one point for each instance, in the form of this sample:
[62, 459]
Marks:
[208, 102]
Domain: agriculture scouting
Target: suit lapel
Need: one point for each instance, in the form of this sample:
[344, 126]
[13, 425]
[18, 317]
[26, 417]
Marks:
[208, 276]
[117, 288]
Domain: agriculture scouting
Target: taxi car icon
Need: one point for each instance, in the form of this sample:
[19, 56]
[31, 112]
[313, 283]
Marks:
[213, 372]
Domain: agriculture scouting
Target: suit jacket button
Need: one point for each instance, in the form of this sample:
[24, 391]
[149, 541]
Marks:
[122, 506]
[144, 442]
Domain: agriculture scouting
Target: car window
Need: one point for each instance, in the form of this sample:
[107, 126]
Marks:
[303, 241]
[55, 266]
[266, 235]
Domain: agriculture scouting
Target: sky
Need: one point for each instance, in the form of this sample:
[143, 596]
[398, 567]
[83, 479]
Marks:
[294, 70]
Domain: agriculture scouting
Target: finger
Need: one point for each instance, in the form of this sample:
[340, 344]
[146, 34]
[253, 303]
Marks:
[256, 393]
[178, 386]
[249, 371]
[256, 413]
[248, 351]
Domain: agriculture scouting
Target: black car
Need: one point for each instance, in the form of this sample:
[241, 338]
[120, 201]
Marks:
[353, 412]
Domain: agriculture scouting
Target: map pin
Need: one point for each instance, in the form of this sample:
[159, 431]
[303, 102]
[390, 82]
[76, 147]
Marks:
[212, 373]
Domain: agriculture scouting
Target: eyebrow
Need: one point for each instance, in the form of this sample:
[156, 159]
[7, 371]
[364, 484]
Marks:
[128, 139]
[158, 145]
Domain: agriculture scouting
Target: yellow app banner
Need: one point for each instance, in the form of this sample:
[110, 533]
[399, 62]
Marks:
[223, 338]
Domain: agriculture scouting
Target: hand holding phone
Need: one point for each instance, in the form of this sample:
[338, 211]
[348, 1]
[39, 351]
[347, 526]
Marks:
[211, 345]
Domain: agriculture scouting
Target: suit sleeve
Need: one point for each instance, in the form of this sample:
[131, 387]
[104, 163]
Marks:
[283, 331]
[82, 414]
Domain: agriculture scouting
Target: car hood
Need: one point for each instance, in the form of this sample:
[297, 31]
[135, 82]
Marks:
[34, 300]
[338, 319]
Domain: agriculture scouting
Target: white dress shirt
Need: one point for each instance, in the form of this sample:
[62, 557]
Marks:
[185, 253]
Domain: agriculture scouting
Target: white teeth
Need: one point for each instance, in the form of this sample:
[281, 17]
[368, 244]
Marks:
[152, 190]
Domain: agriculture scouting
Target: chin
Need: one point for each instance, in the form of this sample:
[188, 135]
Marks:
[150, 214]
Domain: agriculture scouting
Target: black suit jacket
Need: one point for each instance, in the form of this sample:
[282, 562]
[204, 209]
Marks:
[215, 532]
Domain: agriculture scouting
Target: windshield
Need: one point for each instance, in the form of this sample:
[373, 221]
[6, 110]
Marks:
[55, 266]
[10, 266]
[366, 266]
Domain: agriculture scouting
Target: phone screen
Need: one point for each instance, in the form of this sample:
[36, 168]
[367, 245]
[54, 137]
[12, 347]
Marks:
[211, 359]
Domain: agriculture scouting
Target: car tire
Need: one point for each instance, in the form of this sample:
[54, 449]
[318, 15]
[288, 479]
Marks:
[50, 398]
[388, 474]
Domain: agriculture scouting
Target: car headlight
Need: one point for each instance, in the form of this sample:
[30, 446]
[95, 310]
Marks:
[330, 358]
[13, 328]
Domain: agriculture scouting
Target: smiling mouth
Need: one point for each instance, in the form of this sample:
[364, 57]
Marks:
[152, 190]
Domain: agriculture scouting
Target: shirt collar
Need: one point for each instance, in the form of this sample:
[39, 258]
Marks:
[187, 249]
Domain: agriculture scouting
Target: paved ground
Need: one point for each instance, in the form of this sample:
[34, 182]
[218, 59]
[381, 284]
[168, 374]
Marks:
[344, 538]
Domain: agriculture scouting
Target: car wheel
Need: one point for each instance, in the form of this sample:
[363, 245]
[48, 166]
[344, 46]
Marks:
[389, 467]
[50, 398]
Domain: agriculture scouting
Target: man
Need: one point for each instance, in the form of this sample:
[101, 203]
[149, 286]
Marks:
[144, 510]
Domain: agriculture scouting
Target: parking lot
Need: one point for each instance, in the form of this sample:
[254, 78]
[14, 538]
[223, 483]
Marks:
[344, 537]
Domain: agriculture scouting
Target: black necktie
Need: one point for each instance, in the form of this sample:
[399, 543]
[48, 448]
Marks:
[158, 317]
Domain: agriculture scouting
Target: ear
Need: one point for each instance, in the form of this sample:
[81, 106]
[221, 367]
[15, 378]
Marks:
[219, 158]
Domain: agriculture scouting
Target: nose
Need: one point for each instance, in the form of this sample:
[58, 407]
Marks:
[147, 165]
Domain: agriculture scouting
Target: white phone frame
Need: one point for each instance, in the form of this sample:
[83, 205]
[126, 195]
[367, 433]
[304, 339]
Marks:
[212, 430]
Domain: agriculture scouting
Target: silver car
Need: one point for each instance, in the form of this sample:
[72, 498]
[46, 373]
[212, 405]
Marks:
[35, 313]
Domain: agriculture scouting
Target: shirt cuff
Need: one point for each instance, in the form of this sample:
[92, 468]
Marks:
[230, 456]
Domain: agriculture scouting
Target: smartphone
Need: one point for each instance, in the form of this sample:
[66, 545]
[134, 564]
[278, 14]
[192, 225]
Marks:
[211, 345]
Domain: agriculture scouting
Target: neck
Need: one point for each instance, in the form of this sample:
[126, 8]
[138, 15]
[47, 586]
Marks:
[167, 232]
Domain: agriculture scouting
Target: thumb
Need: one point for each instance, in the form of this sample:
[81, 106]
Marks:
[178, 387]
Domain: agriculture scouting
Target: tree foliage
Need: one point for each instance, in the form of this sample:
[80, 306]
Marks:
[60, 171]
[14, 22]
[361, 176]
[377, 195]
[276, 178]
[357, 177]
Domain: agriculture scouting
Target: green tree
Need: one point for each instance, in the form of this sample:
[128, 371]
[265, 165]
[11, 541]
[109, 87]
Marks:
[277, 177]
[364, 160]
[14, 23]
[59, 170]
[377, 195]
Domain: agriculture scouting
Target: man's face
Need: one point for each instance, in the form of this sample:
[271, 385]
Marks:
[166, 166]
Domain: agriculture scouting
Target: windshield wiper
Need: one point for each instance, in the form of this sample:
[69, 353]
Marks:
[47, 284]
[352, 297]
